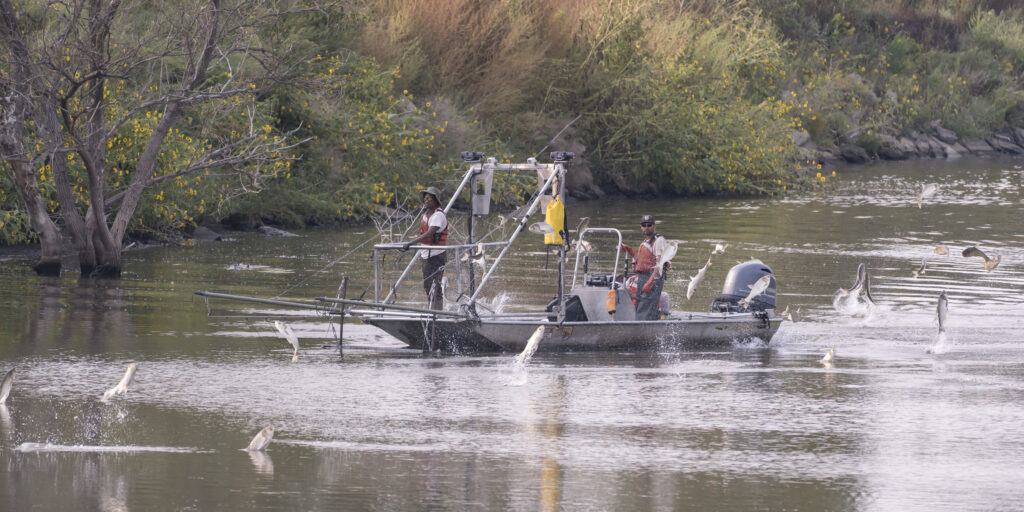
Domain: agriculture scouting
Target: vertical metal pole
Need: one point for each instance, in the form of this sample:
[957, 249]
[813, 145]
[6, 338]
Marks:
[469, 227]
[376, 277]
[560, 193]
[341, 324]
[433, 333]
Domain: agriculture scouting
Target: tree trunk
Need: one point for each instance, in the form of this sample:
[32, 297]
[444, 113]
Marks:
[12, 143]
[106, 253]
[46, 118]
[39, 218]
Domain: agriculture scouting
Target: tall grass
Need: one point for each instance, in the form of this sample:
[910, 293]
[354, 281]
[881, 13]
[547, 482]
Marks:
[489, 55]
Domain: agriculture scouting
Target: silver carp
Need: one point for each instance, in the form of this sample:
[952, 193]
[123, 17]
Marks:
[942, 310]
[927, 191]
[541, 228]
[862, 284]
[990, 264]
[531, 345]
[671, 246]
[917, 273]
[829, 356]
[122, 387]
[757, 289]
[262, 440]
[6, 385]
[695, 280]
[289, 335]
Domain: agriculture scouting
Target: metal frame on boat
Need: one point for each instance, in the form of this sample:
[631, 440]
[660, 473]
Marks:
[579, 320]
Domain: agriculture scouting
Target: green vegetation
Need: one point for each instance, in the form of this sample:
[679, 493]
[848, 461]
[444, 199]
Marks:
[680, 98]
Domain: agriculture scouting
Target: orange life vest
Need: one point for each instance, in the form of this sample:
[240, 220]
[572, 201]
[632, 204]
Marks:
[440, 236]
[645, 259]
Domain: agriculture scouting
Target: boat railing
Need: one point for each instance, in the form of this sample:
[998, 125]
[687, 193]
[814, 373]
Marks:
[580, 251]
[549, 173]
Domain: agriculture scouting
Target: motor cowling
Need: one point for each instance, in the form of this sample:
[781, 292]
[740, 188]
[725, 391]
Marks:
[738, 283]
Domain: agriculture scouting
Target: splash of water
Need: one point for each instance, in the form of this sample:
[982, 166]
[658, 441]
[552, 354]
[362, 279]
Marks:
[940, 346]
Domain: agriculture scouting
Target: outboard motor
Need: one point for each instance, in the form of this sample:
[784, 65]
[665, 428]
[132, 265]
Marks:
[737, 286]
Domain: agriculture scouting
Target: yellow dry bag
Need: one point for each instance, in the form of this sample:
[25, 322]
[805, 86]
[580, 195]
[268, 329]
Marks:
[555, 216]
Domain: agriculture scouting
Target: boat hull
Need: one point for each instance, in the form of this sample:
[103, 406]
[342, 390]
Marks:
[694, 331]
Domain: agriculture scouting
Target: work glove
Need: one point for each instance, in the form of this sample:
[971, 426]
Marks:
[648, 285]
[406, 246]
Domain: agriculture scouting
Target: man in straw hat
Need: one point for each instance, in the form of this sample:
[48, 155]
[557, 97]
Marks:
[433, 231]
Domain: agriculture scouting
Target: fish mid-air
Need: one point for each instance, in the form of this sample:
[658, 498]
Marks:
[262, 440]
[941, 310]
[581, 245]
[289, 334]
[695, 280]
[477, 258]
[671, 246]
[541, 228]
[920, 270]
[757, 289]
[927, 191]
[990, 264]
[941, 250]
[719, 249]
[531, 345]
[862, 283]
[122, 387]
[6, 385]
[582, 226]
[829, 356]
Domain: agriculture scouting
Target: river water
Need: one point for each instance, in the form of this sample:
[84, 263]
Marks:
[894, 423]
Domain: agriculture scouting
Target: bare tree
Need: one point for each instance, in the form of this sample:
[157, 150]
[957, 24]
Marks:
[59, 60]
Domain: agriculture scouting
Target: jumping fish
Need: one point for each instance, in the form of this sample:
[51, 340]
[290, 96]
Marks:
[583, 245]
[990, 264]
[831, 354]
[786, 315]
[757, 289]
[920, 270]
[477, 257]
[941, 310]
[531, 346]
[861, 284]
[941, 250]
[444, 287]
[719, 249]
[262, 440]
[541, 228]
[6, 385]
[122, 387]
[582, 226]
[289, 335]
[695, 280]
[926, 192]
[671, 246]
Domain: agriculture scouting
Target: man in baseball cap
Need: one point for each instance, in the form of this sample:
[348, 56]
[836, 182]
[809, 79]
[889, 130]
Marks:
[647, 270]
